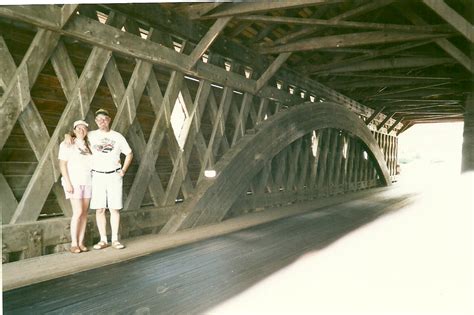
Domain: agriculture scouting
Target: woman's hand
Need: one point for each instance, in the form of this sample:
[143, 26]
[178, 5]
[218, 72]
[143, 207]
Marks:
[69, 188]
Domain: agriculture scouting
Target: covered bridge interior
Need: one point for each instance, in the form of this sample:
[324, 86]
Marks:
[230, 108]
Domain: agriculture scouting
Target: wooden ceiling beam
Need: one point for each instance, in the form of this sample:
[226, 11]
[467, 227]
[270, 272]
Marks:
[390, 63]
[195, 11]
[427, 113]
[239, 29]
[374, 114]
[401, 92]
[169, 21]
[392, 76]
[406, 125]
[207, 40]
[345, 24]
[445, 44]
[136, 47]
[410, 103]
[386, 119]
[358, 83]
[376, 53]
[372, 5]
[277, 63]
[452, 17]
[397, 121]
[253, 7]
[348, 40]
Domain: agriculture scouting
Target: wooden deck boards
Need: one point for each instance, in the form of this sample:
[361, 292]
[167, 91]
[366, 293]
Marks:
[198, 276]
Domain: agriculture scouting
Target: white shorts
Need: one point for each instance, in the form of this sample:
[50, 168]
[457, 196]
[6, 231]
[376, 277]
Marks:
[106, 191]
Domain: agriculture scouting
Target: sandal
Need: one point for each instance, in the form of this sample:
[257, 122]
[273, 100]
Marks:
[117, 245]
[75, 250]
[83, 248]
[101, 245]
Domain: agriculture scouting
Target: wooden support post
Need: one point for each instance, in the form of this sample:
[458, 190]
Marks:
[332, 159]
[323, 158]
[338, 161]
[365, 173]
[345, 161]
[349, 178]
[356, 169]
[294, 163]
[262, 181]
[319, 142]
[304, 163]
[467, 164]
[279, 169]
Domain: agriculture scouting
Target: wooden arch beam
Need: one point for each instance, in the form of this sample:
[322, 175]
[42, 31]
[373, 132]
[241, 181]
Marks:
[235, 171]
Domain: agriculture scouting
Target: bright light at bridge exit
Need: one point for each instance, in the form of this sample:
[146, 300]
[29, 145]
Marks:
[429, 153]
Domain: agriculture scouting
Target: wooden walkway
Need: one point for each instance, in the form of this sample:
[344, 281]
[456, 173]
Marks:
[194, 278]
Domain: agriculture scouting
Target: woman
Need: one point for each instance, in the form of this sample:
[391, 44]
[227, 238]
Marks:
[75, 165]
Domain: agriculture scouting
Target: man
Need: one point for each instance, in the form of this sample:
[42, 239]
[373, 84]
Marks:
[107, 176]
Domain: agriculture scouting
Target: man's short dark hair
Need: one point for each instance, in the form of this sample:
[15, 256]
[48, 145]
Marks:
[102, 111]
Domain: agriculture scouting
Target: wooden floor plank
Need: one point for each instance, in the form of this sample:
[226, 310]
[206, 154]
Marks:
[198, 276]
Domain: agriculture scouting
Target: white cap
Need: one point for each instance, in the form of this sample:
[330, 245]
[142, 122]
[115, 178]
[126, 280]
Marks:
[80, 122]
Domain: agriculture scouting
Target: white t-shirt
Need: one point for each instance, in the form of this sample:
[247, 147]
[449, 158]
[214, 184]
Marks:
[106, 148]
[79, 162]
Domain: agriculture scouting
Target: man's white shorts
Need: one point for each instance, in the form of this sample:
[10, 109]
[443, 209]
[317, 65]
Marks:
[106, 191]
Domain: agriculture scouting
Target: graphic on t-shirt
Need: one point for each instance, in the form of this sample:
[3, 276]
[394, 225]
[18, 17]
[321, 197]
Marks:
[106, 145]
[84, 151]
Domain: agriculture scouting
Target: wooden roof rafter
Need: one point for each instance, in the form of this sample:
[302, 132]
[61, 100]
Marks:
[349, 40]
[444, 43]
[368, 7]
[372, 54]
[452, 17]
[390, 63]
[236, 9]
[345, 24]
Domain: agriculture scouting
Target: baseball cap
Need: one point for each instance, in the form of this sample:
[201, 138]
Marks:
[101, 111]
[80, 122]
